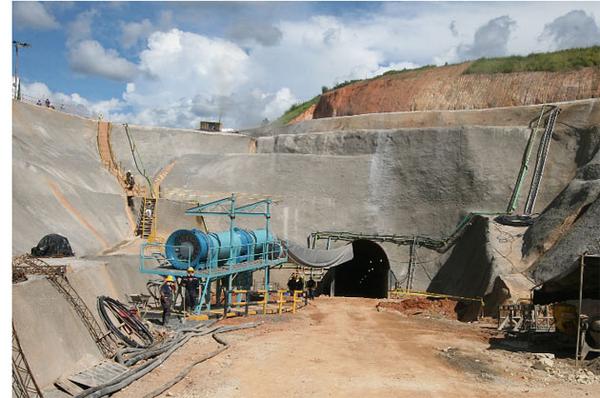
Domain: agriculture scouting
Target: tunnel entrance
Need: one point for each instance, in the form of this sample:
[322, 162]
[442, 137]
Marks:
[366, 275]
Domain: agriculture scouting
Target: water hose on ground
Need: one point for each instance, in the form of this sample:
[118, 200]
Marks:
[188, 369]
[132, 375]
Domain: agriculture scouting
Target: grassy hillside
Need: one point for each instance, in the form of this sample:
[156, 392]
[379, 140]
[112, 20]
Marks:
[296, 110]
[557, 61]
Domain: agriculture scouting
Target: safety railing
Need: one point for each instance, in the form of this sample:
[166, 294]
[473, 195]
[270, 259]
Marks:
[154, 259]
[263, 301]
[78, 110]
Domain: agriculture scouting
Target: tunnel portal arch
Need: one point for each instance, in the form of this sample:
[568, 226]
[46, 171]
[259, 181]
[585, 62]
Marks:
[366, 275]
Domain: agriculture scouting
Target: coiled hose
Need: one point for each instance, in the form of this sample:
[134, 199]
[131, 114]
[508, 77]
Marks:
[130, 322]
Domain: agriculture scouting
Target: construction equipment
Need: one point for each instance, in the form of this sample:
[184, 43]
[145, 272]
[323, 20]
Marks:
[526, 317]
[196, 249]
[217, 256]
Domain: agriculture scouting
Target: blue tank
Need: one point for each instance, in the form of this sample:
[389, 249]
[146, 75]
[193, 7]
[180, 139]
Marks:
[191, 247]
[247, 242]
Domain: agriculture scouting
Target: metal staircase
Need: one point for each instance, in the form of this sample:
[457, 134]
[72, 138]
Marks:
[146, 223]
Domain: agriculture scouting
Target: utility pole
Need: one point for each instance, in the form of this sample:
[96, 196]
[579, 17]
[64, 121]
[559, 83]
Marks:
[17, 83]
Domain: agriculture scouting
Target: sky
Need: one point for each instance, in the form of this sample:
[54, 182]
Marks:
[176, 63]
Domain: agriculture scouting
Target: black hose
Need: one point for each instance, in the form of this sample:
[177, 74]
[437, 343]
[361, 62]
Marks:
[153, 353]
[131, 321]
[187, 369]
[134, 374]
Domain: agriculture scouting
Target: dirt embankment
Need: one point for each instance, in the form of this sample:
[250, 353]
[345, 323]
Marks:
[446, 88]
[437, 308]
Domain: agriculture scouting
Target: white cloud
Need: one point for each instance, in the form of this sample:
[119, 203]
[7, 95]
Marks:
[245, 31]
[33, 15]
[490, 39]
[574, 29]
[188, 72]
[134, 32]
[281, 102]
[182, 77]
[90, 58]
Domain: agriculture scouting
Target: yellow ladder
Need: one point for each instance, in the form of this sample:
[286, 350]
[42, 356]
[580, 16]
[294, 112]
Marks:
[148, 219]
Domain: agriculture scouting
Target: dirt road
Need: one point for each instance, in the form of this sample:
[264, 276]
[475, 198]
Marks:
[342, 347]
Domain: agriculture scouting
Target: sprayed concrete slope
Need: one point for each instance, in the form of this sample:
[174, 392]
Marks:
[402, 179]
[392, 173]
[404, 173]
[59, 184]
[53, 337]
[160, 146]
[570, 224]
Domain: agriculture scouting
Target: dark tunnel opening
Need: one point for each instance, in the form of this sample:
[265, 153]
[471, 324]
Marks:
[366, 275]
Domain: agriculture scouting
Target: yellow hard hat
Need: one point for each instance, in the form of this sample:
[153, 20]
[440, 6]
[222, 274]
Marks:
[190, 269]
[170, 278]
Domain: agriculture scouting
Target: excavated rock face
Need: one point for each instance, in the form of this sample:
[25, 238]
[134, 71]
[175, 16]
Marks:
[568, 227]
[447, 88]
[397, 173]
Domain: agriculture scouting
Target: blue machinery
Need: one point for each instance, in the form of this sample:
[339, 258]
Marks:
[216, 256]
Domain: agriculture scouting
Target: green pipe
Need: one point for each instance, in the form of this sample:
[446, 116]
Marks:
[514, 199]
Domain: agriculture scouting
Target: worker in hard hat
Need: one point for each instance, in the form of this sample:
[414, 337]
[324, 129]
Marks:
[129, 184]
[192, 286]
[166, 297]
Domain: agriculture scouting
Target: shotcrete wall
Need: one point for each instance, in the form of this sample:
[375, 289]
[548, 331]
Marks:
[159, 146]
[59, 184]
[393, 173]
[404, 181]
[378, 173]
[53, 338]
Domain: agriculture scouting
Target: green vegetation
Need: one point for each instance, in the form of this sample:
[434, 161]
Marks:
[575, 58]
[558, 61]
[396, 72]
[297, 109]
